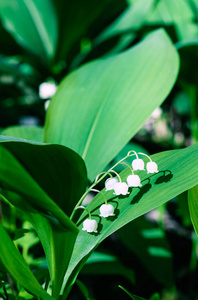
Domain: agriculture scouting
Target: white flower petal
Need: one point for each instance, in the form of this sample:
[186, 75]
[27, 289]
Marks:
[90, 225]
[138, 164]
[106, 210]
[133, 181]
[152, 167]
[110, 183]
[121, 188]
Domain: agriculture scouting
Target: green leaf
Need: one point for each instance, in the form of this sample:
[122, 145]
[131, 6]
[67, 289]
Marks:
[51, 173]
[18, 268]
[150, 247]
[32, 133]
[134, 297]
[193, 206]
[177, 173]
[32, 23]
[103, 104]
[58, 243]
[45, 182]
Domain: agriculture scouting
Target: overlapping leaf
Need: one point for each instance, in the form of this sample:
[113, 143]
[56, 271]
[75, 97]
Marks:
[45, 182]
[177, 173]
[99, 107]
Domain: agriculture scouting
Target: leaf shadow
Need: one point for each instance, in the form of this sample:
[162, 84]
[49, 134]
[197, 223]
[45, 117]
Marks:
[146, 187]
[143, 190]
[164, 178]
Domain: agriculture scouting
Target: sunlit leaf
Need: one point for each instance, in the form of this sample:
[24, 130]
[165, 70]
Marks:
[99, 107]
[177, 173]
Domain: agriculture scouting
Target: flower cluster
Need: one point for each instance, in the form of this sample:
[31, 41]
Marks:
[115, 183]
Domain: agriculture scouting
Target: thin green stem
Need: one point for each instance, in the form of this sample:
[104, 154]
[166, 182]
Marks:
[116, 174]
[97, 180]
[124, 163]
[84, 209]
[97, 177]
[94, 190]
[145, 155]
[134, 153]
[128, 155]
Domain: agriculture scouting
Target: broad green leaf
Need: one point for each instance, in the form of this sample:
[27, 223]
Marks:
[134, 297]
[98, 108]
[150, 247]
[177, 173]
[33, 24]
[25, 132]
[58, 244]
[18, 268]
[45, 182]
[193, 206]
[51, 173]
[170, 12]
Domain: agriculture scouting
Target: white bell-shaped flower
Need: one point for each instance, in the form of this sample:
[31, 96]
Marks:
[110, 183]
[121, 188]
[133, 180]
[152, 167]
[106, 210]
[90, 225]
[138, 164]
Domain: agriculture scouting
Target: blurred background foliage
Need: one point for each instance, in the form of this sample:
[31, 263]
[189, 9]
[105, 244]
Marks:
[41, 42]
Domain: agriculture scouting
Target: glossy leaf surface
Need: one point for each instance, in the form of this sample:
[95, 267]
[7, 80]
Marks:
[99, 107]
[177, 173]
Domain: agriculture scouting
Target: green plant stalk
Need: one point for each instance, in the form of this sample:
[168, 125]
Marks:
[100, 179]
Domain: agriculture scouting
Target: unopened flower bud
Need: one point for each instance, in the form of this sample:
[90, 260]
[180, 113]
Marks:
[106, 210]
[133, 181]
[152, 167]
[90, 225]
[138, 164]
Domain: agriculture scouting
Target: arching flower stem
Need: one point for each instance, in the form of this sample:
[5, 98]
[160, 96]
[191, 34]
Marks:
[94, 190]
[107, 172]
[128, 155]
[134, 153]
[84, 209]
[145, 155]
[98, 179]
[124, 163]
[116, 174]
